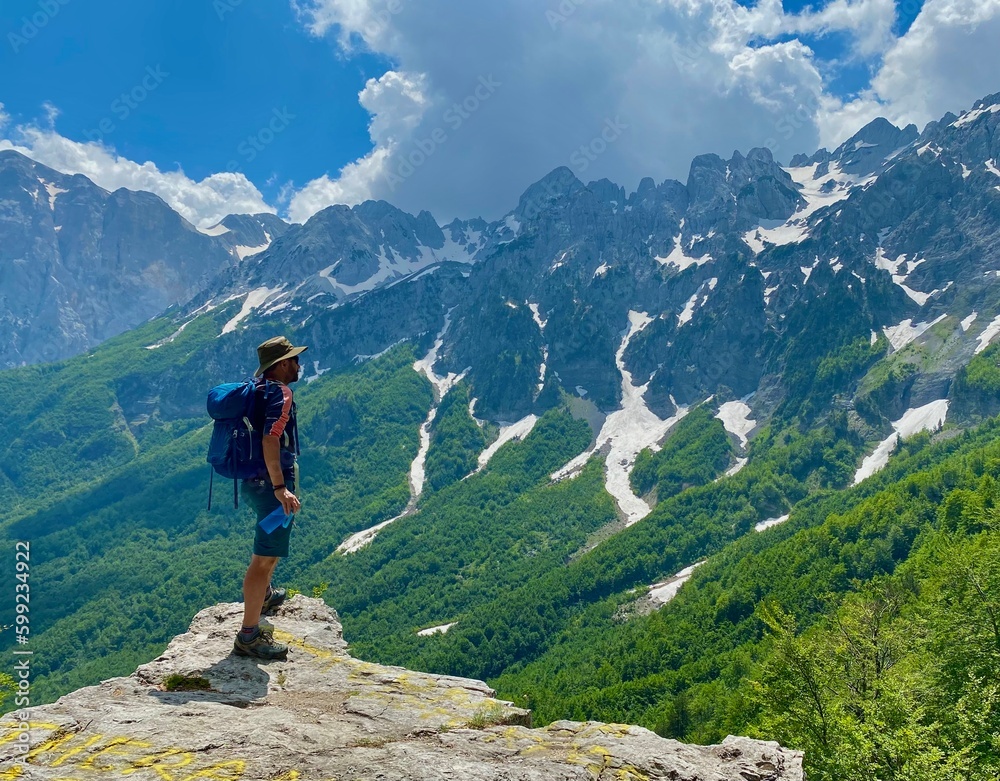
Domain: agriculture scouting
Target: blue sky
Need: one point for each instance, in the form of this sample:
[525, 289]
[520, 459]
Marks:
[225, 77]
[332, 101]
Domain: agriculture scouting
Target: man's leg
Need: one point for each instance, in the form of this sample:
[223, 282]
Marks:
[255, 584]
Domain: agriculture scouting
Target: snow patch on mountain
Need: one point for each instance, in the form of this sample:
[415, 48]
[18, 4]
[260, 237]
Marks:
[441, 386]
[693, 302]
[394, 267]
[679, 259]
[417, 468]
[518, 431]
[216, 230]
[664, 591]
[172, 336]
[905, 332]
[737, 467]
[435, 630]
[770, 523]
[359, 359]
[245, 252]
[688, 312]
[735, 416]
[625, 433]
[461, 252]
[254, 299]
[537, 317]
[425, 366]
[53, 191]
[818, 193]
[894, 266]
[967, 322]
[317, 373]
[988, 334]
[362, 539]
[971, 116]
[929, 417]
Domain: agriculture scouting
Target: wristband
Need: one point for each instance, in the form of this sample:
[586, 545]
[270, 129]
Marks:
[278, 487]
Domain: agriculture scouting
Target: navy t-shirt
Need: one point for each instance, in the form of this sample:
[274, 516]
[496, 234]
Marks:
[279, 421]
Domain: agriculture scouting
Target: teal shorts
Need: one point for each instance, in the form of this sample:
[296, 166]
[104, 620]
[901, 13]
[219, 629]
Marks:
[259, 495]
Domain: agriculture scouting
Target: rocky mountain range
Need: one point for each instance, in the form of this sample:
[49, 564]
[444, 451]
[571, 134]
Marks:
[735, 285]
[898, 224]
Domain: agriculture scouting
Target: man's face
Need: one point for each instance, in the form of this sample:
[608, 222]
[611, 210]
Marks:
[290, 370]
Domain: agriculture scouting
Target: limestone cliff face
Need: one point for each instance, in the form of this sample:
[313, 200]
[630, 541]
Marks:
[79, 265]
[197, 712]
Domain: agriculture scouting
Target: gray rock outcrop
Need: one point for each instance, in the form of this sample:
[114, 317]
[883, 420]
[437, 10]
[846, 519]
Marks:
[199, 712]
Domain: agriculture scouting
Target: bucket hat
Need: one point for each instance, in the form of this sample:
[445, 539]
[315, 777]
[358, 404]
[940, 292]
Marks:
[273, 350]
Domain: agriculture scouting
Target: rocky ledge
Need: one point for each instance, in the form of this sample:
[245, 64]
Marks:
[198, 712]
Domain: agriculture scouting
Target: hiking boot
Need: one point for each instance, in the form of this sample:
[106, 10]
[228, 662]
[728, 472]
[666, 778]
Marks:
[273, 600]
[262, 646]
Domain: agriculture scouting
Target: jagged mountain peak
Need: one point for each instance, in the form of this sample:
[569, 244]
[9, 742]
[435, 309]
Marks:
[551, 188]
[867, 150]
[248, 234]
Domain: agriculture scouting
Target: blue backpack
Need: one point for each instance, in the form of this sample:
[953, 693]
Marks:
[236, 449]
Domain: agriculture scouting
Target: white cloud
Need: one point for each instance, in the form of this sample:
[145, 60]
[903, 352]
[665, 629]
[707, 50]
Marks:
[510, 91]
[869, 21]
[4, 118]
[946, 61]
[681, 77]
[202, 203]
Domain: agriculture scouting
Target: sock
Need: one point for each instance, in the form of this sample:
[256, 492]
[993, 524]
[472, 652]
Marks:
[249, 632]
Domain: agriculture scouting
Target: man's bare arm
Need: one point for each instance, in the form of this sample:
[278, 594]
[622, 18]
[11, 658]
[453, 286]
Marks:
[272, 458]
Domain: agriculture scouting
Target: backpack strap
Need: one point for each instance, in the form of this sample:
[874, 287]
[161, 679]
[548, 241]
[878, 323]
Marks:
[258, 405]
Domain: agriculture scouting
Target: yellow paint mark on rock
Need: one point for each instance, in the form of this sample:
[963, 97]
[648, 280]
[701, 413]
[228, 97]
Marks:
[56, 744]
[11, 773]
[630, 773]
[113, 748]
[161, 762]
[14, 729]
[298, 642]
[229, 770]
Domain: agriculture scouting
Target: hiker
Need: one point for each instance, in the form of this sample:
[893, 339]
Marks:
[274, 487]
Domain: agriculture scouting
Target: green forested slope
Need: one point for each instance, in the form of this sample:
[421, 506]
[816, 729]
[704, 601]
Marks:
[456, 440]
[470, 544]
[681, 530]
[914, 548]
